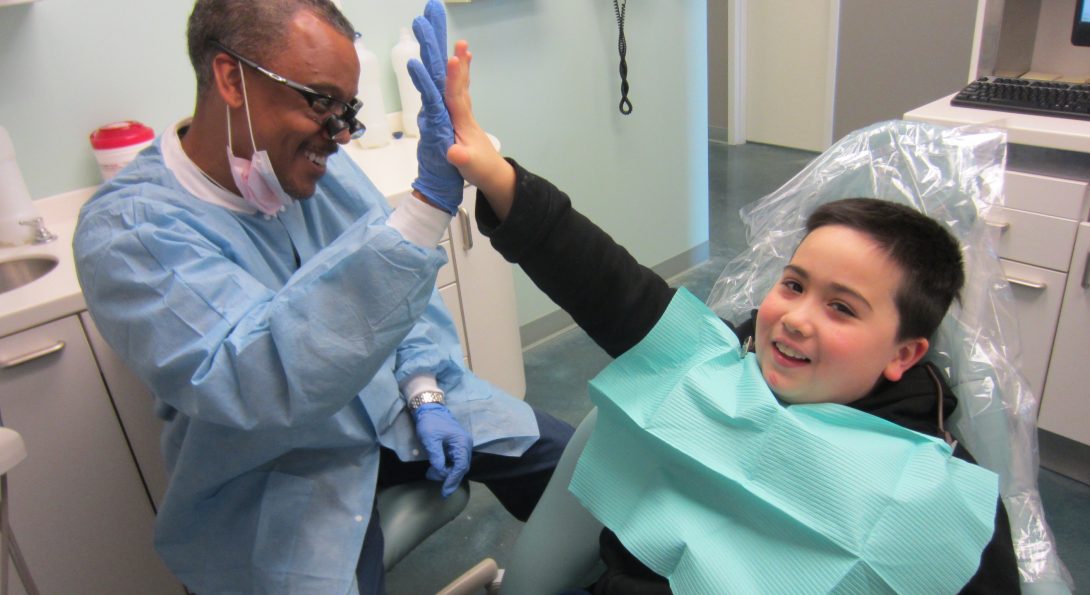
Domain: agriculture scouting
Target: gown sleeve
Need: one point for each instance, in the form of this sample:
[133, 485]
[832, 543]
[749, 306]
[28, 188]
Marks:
[218, 344]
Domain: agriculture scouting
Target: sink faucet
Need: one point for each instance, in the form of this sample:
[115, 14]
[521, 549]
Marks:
[41, 234]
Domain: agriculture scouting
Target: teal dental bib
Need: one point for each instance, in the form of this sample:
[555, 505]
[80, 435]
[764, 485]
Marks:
[714, 484]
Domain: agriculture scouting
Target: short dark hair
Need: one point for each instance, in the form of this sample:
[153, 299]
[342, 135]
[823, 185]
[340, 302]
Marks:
[928, 255]
[253, 28]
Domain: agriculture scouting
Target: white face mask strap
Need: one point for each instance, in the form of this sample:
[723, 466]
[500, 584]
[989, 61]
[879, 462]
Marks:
[229, 144]
[249, 124]
[246, 100]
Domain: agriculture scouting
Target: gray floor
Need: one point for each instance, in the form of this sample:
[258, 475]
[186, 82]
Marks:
[557, 371]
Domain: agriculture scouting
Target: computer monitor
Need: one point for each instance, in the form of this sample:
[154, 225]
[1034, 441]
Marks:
[1080, 31]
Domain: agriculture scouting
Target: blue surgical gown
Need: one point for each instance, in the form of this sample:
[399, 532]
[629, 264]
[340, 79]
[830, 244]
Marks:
[277, 381]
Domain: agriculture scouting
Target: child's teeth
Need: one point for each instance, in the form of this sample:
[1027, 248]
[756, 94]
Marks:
[790, 352]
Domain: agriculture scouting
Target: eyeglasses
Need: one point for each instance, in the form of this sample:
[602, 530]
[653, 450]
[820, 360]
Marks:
[342, 115]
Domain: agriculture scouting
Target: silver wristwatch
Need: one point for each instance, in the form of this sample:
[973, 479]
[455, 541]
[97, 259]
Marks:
[423, 397]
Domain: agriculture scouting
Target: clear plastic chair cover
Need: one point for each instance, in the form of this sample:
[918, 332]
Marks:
[954, 175]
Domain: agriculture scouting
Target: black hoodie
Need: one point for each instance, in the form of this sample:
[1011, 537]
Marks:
[617, 301]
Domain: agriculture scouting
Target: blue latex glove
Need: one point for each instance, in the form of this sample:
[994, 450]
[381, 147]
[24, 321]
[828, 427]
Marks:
[445, 440]
[437, 179]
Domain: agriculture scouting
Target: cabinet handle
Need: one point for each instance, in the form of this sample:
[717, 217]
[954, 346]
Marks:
[1086, 273]
[1000, 225]
[467, 229]
[1026, 283]
[33, 355]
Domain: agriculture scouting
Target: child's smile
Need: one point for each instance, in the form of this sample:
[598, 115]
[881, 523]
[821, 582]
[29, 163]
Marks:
[828, 330]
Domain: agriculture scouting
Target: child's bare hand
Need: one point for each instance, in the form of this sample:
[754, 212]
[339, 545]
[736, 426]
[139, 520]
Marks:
[472, 152]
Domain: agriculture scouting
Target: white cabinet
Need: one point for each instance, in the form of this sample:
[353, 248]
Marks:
[1036, 233]
[1065, 408]
[1043, 244]
[78, 506]
[477, 284]
[1037, 245]
[486, 318]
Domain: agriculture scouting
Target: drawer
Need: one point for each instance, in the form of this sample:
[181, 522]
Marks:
[1037, 293]
[1048, 196]
[1033, 239]
[446, 274]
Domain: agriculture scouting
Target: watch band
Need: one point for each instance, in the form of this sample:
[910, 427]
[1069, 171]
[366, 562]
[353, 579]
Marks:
[424, 397]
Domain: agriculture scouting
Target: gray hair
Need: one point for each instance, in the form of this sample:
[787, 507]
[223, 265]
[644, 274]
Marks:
[253, 28]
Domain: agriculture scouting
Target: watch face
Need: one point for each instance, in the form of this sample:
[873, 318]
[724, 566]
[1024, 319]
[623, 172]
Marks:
[426, 397]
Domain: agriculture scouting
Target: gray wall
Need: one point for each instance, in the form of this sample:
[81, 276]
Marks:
[717, 69]
[895, 55]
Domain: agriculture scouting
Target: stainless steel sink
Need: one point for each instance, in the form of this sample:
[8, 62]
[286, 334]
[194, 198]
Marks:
[17, 273]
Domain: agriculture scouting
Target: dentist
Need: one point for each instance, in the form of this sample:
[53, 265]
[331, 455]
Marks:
[286, 319]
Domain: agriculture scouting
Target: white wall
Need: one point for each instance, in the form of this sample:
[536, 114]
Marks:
[787, 83]
[545, 82]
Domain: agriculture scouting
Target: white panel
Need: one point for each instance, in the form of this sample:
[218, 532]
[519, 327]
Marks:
[454, 305]
[1065, 407]
[488, 302]
[787, 72]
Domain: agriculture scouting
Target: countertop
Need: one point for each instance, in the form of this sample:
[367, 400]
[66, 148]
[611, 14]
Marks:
[1024, 129]
[57, 293]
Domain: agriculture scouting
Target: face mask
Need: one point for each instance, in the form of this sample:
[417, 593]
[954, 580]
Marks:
[255, 178]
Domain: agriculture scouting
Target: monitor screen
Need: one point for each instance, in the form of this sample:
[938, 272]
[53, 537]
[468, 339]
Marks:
[1080, 31]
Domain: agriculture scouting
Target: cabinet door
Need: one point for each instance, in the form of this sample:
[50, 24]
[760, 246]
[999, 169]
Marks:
[1065, 407]
[487, 290]
[1037, 295]
[136, 408]
[78, 507]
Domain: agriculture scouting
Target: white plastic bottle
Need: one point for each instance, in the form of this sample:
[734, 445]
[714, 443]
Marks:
[400, 55]
[373, 113]
[15, 203]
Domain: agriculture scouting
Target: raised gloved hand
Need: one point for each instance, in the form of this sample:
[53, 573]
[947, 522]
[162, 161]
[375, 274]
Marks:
[445, 440]
[437, 179]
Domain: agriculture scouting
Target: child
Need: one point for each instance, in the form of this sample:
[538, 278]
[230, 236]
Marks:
[847, 322]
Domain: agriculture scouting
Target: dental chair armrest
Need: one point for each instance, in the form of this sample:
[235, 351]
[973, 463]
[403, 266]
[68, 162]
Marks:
[473, 581]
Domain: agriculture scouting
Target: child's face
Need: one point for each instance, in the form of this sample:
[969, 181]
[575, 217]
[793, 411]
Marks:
[828, 330]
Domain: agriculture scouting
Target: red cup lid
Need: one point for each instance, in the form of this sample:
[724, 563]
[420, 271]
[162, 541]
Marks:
[121, 134]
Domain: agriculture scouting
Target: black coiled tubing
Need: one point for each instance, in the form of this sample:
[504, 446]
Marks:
[622, 49]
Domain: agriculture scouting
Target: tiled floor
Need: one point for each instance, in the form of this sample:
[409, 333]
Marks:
[557, 371]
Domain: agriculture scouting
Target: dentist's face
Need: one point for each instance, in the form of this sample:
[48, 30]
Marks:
[828, 330]
[318, 56]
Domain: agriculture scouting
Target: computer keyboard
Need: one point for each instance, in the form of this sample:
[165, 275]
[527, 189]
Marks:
[1043, 98]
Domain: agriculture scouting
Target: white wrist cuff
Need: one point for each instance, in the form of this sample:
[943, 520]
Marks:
[419, 222]
[418, 384]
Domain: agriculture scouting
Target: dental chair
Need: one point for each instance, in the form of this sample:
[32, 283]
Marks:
[410, 512]
[954, 175]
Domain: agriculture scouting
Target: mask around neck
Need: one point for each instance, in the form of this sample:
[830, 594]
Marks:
[255, 178]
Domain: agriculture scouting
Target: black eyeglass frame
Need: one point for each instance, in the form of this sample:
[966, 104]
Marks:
[335, 123]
